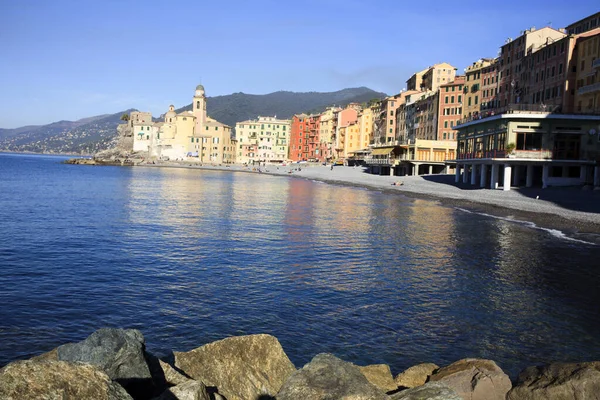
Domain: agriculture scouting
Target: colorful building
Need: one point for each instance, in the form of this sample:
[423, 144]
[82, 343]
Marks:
[450, 103]
[265, 139]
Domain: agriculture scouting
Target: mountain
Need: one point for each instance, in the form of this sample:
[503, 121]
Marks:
[90, 135]
[238, 107]
[84, 136]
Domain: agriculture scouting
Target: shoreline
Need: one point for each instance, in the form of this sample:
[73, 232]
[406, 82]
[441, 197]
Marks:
[568, 209]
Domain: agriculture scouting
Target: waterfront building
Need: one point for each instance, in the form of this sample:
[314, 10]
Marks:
[473, 88]
[327, 128]
[510, 66]
[262, 140]
[344, 118]
[583, 25]
[587, 80]
[415, 82]
[528, 147]
[489, 89]
[436, 75]
[298, 150]
[450, 103]
[188, 135]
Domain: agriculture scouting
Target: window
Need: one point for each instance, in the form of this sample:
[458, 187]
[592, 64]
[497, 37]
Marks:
[452, 99]
[446, 99]
[560, 68]
[476, 99]
[445, 124]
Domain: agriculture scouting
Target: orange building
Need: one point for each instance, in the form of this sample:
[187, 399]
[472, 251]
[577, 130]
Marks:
[450, 105]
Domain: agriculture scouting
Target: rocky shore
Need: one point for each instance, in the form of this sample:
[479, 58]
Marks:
[113, 364]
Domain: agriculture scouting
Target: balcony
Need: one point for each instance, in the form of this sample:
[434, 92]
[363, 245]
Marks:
[512, 109]
[380, 161]
[596, 63]
[594, 87]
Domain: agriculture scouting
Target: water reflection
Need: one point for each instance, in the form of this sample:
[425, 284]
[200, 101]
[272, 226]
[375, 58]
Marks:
[192, 256]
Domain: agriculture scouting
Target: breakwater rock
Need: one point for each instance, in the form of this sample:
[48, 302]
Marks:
[113, 364]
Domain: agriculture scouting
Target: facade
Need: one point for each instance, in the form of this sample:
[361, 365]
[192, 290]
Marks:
[510, 66]
[529, 147]
[327, 132]
[345, 117]
[587, 80]
[489, 88]
[415, 82]
[438, 74]
[450, 103]
[473, 89]
[584, 25]
[265, 139]
[298, 150]
[188, 135]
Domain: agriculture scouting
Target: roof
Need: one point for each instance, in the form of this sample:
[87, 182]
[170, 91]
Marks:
[199, 87]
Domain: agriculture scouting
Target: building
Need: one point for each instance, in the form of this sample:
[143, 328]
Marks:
[529, 147]
[489, 88]
[188, 135]
[265, 139]
[587, 79]
[345, 117]
[449, 112]
[415, 82]
[327, 132]
[510, 66]
[473, 88]
[584, 25]
[436, 75]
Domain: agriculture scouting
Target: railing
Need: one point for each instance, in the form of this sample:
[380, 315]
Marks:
[380, 161]
[589, 88]
[520, 154]
[532, 154]
[512, 109]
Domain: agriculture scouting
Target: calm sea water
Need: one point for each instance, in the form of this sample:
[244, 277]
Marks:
[189, 257]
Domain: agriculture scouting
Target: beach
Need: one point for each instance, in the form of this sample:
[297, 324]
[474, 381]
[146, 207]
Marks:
[569, 209]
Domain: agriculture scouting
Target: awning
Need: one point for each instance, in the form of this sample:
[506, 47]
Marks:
[382, 152]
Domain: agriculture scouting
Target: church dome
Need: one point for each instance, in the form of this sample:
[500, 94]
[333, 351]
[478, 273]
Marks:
[199, 87]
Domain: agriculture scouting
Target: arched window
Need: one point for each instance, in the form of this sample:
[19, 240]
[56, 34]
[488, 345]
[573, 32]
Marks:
[198, 104]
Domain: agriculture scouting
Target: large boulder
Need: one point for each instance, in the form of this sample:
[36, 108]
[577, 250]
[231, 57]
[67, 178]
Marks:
[190, 390]
[415, 376]
[380, 376]
[24, 380]
[429, 391]
[328, 377]
[475, 379]
[558, 381]
[242, 367]
[117, 352]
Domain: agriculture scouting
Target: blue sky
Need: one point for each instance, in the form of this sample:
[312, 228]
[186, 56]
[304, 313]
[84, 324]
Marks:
[65, 59]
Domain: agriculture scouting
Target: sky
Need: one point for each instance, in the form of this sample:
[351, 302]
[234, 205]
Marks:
[71, 59]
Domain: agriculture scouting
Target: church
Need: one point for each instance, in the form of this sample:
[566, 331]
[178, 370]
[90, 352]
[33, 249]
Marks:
[187, 136]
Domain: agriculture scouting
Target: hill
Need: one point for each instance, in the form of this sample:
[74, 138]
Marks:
[93, 134]
[238, 107]
[84, 136]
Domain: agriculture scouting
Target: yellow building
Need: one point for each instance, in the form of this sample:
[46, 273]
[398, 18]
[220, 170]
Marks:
[587, 81]
[473, 87]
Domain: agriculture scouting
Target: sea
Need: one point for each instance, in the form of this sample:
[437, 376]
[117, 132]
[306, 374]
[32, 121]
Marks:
[193, 256]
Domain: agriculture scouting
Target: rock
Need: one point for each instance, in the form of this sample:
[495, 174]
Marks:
[23, 380]
[242, 367]
[163, 374]
[51, 355]
[190, 390]
[328, 377]
[172, 377]
[474, 379]
[117, 352]
[558, 381]
[429, 391]
[415, 376]
[380, 376]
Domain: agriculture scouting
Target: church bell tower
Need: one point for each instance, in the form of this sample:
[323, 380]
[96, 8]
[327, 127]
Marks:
[199, 107]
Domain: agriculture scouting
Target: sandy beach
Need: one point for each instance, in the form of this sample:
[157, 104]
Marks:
[569, 208]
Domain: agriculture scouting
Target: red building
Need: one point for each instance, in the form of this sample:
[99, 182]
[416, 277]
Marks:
[449, 108]
[304, 138]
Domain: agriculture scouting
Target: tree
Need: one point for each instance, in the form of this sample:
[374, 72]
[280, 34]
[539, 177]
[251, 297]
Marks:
[125, 117]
